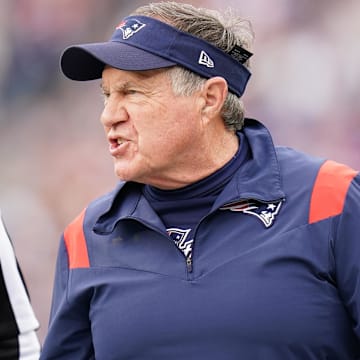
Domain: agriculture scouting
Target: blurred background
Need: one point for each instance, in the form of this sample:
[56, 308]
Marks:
[54, 159]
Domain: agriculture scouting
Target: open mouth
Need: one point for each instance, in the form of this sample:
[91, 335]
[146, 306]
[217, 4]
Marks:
[116, 142]
[117, 146]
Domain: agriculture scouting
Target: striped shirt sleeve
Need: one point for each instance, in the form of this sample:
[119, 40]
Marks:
[18, 339]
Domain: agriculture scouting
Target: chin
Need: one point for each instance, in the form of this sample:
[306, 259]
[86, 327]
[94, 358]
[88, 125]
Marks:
[125, 174]
[121, 174]
[129, 172]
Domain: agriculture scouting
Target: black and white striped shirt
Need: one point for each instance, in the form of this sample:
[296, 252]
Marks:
[18, 339]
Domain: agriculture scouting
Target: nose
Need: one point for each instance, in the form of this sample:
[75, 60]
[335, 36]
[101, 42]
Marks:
[114, 112]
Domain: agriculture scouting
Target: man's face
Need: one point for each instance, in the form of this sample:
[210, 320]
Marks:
[152, 133]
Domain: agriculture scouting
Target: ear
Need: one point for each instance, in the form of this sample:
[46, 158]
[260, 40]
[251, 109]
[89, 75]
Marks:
[214, 93]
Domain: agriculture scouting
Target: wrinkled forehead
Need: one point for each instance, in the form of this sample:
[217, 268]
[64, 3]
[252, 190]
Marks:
[142, 78]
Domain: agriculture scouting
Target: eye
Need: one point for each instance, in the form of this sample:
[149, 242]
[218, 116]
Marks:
[105, 96]
[131, 91]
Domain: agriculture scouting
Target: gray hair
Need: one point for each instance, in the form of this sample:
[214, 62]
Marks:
[221, 30]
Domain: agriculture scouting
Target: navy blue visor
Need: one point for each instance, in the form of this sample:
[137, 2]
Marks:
[144, 43]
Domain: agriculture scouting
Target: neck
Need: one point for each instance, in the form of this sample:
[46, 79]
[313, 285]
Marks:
[208, 158]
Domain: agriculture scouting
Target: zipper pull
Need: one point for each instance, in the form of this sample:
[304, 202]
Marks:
[189, 264]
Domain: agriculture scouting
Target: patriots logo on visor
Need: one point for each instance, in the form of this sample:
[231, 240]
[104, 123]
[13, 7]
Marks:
[130, 27]
[265, 212]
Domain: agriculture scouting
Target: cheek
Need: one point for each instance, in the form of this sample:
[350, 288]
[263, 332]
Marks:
[153, 141]
[174, 141]
[163, 132]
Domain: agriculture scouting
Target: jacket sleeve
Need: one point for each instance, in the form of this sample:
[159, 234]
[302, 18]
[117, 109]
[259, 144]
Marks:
[18, 324]
[346, 246]
[69, 332]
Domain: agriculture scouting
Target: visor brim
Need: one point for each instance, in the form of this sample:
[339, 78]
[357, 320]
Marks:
[87, 61]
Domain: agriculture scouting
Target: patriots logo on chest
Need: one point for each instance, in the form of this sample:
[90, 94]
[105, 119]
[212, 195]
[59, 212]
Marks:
[180, 237]
[266, 212]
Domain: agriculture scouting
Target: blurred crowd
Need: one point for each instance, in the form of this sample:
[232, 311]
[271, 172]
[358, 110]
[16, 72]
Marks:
[54, 160]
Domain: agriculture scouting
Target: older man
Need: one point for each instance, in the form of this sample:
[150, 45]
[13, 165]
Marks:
[215, 244]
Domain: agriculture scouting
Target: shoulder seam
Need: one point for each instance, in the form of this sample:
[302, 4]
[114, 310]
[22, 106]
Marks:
[329, 191]
[75, 243]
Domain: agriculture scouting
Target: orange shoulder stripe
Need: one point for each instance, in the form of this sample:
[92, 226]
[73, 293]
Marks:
[76, 244]
[329, 191]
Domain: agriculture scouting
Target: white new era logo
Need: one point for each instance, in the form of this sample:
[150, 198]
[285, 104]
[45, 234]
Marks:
[206, 60]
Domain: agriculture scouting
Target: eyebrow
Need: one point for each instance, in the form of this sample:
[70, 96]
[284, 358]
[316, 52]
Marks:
[123, 86]
[143, 75]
